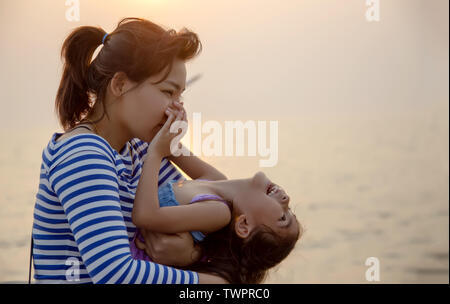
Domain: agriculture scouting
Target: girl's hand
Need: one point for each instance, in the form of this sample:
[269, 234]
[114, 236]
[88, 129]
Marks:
[180, 107]
[160, 145]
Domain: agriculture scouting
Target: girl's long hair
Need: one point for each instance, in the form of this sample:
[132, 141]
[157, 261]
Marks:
[244, 261]
[137, 47]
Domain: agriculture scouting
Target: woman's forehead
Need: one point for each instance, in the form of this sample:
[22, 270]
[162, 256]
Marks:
[178, 72]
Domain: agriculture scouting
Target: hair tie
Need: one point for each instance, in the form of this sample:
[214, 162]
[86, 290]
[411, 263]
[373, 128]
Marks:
[104, 37]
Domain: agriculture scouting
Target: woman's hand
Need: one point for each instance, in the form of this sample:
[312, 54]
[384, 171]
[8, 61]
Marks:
[161, 143]
[175, 250]
[169, 249]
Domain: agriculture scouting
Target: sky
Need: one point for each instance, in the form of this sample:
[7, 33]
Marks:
[260, 59]
[319, 68]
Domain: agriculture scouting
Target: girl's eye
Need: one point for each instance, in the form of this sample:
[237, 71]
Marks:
[170, 93]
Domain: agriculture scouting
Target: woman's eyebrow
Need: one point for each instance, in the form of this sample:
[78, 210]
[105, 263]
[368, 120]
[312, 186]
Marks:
[175, 85]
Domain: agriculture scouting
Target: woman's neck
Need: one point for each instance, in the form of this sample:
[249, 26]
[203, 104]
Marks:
[112, 132]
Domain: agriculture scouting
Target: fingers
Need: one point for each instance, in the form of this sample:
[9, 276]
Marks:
[180, 107]
[169, 121]
[169, 111]
[151, 236]
[180, 115]
[184, 115]
[178, 111]
[143, 246]
[139, 244]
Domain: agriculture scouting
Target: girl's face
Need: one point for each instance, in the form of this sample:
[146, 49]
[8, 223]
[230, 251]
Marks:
[264, 202]
[143, 108]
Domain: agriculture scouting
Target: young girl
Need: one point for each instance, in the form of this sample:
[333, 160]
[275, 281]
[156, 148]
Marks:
[241, 227]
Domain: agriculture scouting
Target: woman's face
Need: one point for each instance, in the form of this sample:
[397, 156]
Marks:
[143, 110]
[264, 202]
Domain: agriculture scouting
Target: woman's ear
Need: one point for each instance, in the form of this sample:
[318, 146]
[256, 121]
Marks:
[120, 84]
[241, 226]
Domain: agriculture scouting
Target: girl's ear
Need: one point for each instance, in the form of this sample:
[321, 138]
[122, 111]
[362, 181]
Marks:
[241, 226]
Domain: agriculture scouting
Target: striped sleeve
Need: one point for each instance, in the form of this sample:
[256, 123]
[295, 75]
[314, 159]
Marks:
[87, 187]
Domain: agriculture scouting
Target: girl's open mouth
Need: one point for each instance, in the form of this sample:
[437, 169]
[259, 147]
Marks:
[272, 189]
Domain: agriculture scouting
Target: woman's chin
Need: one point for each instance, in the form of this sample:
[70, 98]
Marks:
[153, 132]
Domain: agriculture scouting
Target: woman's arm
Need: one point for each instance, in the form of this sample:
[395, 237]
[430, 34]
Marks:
[87, 187]
[206, 278]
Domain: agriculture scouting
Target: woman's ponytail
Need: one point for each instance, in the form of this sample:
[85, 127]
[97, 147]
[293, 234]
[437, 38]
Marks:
[72, 99]
[137, 47]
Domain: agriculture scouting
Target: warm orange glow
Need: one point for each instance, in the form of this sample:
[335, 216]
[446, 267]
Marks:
[362, 110]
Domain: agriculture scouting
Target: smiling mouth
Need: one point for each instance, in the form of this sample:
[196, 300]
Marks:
[272, 189]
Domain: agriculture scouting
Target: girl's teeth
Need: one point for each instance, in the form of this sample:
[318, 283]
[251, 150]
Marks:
[274, 190]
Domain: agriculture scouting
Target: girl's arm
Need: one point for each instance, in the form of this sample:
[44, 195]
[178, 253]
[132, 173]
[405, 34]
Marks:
[192, 165]
[196, 168]
[205, 216]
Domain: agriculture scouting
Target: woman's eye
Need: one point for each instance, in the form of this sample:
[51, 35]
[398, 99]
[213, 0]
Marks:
[170, 93]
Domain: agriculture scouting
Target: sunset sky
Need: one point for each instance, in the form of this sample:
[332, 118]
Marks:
[260, 59]
[361, 110]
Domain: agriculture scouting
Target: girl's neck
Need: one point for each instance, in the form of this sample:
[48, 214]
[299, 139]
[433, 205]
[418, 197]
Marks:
[227, 189]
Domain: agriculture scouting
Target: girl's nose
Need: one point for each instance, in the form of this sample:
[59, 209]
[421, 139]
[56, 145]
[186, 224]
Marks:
[285, 199]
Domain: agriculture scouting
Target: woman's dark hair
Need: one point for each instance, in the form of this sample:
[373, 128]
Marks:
[244, 261]
[137, 47]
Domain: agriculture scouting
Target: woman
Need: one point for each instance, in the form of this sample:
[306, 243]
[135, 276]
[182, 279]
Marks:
[110, 107]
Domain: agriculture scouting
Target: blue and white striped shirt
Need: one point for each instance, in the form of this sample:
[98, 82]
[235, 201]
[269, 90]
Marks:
[82, 217]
